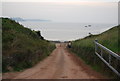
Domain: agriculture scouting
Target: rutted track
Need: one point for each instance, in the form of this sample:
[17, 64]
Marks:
[61, 64]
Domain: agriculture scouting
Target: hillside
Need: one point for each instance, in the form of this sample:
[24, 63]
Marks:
[21, 47]
[0, 46]
[85, 48]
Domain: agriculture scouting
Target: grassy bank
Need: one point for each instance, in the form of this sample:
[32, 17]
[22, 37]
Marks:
[85, 49]
[0, 45]
[22, 48]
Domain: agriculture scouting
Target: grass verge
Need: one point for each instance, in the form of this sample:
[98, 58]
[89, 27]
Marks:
[85, 48]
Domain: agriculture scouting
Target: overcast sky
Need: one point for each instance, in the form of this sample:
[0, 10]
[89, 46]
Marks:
[91, 11]
[57, 0]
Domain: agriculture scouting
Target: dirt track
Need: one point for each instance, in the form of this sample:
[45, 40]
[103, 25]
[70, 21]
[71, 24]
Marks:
[61, 64]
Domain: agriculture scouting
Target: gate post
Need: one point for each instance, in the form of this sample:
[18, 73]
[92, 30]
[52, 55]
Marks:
[95, 59]
[96, 45]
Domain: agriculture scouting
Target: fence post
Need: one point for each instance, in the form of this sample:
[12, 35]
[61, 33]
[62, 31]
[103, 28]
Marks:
[95, 51]
[96, 45]
[109, 59]
[101, 52]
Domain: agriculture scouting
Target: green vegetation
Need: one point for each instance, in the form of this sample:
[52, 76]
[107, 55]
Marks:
[0, 45]
[85, 48]
[21, 47]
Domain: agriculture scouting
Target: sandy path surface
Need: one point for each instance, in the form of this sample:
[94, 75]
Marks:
[61, 64]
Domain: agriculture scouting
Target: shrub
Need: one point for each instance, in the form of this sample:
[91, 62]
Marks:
[22, 47]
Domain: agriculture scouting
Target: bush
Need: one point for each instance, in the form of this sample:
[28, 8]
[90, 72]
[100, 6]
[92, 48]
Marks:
[22, 47]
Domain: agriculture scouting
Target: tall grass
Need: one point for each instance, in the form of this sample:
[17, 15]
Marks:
[0, 45]
[22, 48]
[85, 48]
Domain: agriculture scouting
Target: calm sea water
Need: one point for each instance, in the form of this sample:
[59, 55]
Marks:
[66, 31]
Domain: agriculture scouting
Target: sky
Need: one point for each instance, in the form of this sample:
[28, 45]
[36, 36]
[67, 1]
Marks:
[58, 0]
[83, 12]
[63, 11]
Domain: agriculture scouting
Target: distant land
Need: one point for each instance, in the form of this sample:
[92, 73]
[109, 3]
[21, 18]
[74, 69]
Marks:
[21, 19]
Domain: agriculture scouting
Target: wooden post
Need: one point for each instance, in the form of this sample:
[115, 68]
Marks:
[101, 52]
[96, 45]
[95, 51]
[109, 59]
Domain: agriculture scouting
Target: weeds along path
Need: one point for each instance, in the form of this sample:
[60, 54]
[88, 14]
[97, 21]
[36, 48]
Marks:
[61, 64]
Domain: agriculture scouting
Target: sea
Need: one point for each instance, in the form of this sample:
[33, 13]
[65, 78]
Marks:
[64, 31]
